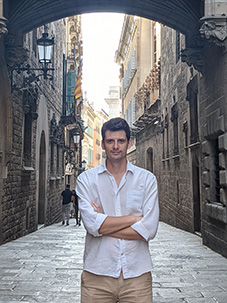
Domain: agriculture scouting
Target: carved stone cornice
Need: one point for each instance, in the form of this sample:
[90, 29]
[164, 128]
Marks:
[30, 102]
[3, 27]
[193, 56]
[56, 131]
[15, 53]
[214, 29]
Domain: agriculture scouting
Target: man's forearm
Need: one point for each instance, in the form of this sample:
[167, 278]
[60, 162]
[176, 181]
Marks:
[127, 233]
[114, 224]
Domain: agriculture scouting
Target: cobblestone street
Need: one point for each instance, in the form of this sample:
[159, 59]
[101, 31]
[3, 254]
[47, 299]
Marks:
[45, 266]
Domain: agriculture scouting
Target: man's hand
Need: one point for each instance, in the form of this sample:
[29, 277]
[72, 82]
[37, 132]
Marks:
[118, 227]
[96, 207]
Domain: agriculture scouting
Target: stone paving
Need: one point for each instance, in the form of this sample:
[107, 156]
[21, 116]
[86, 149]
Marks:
[45, 266]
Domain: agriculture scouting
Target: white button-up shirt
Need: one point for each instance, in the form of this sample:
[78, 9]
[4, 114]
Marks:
[137, 194]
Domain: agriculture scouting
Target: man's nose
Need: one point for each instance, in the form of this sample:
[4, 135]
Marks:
[115, 144]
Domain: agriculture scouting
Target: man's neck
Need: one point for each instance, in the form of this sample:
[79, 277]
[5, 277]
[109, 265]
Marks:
[116, 168]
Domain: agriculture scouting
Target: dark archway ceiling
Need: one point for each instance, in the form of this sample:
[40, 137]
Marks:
[182, 15]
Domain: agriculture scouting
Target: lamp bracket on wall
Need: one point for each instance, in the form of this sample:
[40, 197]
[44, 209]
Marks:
[30, 76]
[45, 50]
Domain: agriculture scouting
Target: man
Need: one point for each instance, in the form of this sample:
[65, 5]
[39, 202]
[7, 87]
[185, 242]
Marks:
[76, 208]
[67, 195]
[119, 208]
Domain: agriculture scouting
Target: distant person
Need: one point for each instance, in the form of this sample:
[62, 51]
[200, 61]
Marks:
[72, 205]
[119, 208]
[75, 205]
[67, 195]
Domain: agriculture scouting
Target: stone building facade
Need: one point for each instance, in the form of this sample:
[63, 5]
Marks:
[180, 131]
[32, 176]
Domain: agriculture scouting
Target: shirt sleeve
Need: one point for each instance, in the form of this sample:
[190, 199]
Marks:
[148, 226]
[91, 219]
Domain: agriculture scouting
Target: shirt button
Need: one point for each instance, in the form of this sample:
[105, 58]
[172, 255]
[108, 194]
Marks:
[117, 209]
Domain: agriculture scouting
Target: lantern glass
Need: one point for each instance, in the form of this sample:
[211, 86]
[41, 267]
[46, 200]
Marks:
[45, 48]
[76, 138]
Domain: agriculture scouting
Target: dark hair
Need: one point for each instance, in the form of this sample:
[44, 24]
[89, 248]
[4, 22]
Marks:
[67, 185]
[116, 124]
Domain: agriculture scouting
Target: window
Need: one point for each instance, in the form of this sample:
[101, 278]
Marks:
[174, 119]
[194, 118]
[58, 158]
[167, 134]
[163, 139]
[89, 131]
[52, 157]
[214, 171]
[27, 139]
[155, 44]
[130, 113]
[90, 156]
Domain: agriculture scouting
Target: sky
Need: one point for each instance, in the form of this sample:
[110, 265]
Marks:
[101, 35]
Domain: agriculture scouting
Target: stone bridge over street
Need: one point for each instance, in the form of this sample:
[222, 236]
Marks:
[45, 266]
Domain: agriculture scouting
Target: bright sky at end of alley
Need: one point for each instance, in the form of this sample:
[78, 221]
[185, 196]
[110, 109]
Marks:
[101, 35]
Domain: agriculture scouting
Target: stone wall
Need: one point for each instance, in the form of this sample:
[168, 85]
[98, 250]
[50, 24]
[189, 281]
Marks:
[192, 176]
[172, 163]
[213, 111]
[20, 190]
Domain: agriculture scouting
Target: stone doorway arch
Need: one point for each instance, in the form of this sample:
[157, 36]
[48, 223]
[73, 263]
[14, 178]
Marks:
[42, 181]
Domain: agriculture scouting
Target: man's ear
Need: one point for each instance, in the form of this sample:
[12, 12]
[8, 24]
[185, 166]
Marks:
[129, 143]
[103, 145]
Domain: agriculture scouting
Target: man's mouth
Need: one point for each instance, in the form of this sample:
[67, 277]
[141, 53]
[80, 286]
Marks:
[115, 152]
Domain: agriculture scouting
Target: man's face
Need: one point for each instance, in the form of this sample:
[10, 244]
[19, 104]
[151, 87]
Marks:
[116, 144]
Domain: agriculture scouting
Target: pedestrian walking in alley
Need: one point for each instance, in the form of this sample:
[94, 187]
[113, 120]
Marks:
[72, 204]
[67, 196]
[76, 208]
[119, 207]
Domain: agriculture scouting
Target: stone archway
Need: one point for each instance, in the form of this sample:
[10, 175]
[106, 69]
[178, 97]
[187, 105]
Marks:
[183, 16]
[42, 180]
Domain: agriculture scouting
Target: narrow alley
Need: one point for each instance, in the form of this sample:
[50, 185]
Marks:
[45, 266]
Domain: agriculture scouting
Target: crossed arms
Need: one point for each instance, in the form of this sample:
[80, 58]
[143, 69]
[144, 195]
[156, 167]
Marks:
[118, 227]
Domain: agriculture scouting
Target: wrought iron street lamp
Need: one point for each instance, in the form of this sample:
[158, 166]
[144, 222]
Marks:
[76, 139]
[45, 50]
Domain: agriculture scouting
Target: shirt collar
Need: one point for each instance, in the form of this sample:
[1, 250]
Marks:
[103, 168]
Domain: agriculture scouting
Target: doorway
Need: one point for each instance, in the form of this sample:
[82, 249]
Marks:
[196, 193]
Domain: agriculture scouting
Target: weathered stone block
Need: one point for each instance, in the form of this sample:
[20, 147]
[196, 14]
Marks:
[222, 142]
[216, 211]
[206, 163]
[223, 196]
[206, 178]
[215, 124]
[205, 148]
[222, 161]
[207, 194]
[223, 178]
